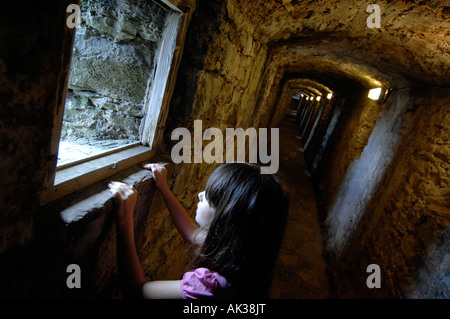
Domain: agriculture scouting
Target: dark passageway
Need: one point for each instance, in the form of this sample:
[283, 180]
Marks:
[301, 269]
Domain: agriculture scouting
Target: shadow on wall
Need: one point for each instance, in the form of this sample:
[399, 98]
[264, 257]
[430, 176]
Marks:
[77, 229]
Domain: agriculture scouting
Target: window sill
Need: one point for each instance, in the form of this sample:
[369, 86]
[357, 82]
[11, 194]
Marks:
[81, 221]
[74, 177]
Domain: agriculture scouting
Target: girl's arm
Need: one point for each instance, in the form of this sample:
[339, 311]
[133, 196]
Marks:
[183, 222]
[162, 289]
[131, 276]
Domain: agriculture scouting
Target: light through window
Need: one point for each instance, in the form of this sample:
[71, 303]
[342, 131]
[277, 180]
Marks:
[113, 61]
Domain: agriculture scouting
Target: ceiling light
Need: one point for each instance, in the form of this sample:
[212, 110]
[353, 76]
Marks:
[329, 96]
[374, 94]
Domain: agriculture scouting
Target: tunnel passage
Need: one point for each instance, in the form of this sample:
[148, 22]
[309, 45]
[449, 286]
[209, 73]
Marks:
[379, 168]
[301, 270]
[366, 159]
[351, 143]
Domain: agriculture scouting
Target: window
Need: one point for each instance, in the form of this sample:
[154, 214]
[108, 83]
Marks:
[124, 61]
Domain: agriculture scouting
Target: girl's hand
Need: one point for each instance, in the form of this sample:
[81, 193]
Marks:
[159, 175]
[126, 197]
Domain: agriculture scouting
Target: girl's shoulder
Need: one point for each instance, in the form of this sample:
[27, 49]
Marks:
[205, 283]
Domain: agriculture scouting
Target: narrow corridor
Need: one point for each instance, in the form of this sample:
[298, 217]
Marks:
[374, 115]
[301, 270]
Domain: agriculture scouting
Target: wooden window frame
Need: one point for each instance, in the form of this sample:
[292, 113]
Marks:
[74, 176]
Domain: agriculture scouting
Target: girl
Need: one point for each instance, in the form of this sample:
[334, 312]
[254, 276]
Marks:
[238, 229]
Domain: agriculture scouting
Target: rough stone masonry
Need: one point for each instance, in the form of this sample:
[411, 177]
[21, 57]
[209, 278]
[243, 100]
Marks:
[111, 64]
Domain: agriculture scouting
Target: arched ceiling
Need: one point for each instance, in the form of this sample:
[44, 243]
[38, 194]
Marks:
[330, 42]
[306, 85]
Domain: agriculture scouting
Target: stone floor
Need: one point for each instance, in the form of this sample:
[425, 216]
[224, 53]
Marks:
[301, 270]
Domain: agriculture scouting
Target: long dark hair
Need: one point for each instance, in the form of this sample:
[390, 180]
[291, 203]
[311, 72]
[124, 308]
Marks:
[245, 234]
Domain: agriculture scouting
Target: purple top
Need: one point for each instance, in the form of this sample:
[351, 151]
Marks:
[204, 283]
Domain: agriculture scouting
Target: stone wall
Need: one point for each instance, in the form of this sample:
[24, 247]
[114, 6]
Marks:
[392, 205]
[32, 70]
[432, 279]
[319, 136]
[111, 64]
[357, 120]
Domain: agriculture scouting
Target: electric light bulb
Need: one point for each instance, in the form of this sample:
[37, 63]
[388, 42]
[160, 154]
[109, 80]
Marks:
[374, 94]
